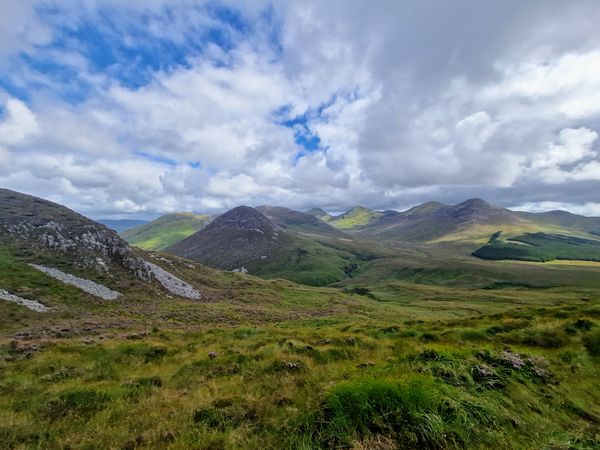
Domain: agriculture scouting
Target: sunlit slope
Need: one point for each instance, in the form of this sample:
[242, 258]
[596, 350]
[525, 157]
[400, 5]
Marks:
[165, 231]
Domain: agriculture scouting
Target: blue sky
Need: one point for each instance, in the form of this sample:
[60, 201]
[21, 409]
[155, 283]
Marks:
[134, 109]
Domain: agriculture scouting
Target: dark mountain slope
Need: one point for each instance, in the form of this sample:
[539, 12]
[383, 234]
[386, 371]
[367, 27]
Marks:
[434, 220]
[242, 237]
[320, 214]
[297, 221]
[245, 239]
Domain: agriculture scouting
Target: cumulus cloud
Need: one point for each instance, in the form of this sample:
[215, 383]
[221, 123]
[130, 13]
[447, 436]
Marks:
[192, 105]
[18, 123]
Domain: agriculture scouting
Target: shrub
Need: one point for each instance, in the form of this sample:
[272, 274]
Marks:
[407, 412]
[81, 402]
[545, 337]
[591, 342]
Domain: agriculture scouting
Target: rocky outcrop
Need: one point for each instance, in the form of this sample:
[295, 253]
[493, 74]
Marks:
[31, 304]
[171, 283]
[88, 286]
[40, 226]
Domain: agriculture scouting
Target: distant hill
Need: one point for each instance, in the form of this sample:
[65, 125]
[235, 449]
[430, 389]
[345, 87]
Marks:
[166, 230]
[356, 217]
[564, 219]
[297, 221]
[320, 214]
[121, 225]
[245, 239]
[473, 220]
[540, 247]
[239, 238]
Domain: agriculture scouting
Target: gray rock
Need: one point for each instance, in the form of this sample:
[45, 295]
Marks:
[31, 304]
[88, 286]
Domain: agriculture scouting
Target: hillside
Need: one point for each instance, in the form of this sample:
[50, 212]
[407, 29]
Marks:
[121, 225]
[77, 251]
[244, 239]
[268, 364]
[540, 247]
[564, 219]
[165, 231]
[319, 214]
[297, 221]
[472, 221]
[356, 217]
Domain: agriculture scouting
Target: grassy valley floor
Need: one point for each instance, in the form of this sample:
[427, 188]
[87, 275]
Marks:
[427, 367]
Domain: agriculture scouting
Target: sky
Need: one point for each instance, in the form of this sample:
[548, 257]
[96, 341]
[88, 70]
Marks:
[122, 109]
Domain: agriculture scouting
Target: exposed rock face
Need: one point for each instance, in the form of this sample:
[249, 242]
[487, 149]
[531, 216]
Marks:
[173, 284]
[31, 304]
[85, 285]
[239, 238]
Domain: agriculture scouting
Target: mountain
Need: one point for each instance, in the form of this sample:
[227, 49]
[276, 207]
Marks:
[77, 251]
[244, 239]
[121, 225]
[472, 220]
[297, 221]
[564, 219]
[356, 217]
[166, 230]
[320, 214]
[241, 237]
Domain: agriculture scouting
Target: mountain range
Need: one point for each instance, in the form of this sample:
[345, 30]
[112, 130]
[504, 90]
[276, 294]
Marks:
[319, 248]
[93, 328]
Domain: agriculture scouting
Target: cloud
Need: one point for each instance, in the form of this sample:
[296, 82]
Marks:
[18, 123]
[121, 108]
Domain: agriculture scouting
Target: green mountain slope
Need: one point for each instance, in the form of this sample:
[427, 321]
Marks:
[165, 231]
[122, 225]
[472, 221]
[540, 247]
[356, 217]
[245, 239]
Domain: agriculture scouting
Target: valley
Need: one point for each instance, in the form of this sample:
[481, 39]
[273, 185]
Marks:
[447, 350]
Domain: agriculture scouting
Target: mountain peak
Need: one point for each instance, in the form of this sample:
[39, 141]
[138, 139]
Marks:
[244, 217]
[316, 212]
[475, 203]
[241, 237]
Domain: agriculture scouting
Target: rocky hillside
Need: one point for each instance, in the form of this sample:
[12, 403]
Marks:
[46, 232]
[240, 238]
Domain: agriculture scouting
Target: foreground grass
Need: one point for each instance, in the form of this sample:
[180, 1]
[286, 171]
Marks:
[520, 379]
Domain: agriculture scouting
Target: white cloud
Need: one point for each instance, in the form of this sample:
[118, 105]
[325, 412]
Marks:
[413, 106]
[568, 85]
[18, 123]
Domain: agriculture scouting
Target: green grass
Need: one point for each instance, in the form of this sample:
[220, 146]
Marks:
[354, 218]
[540, 247]
[381, 362]
[313, 383]
[165, 231]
